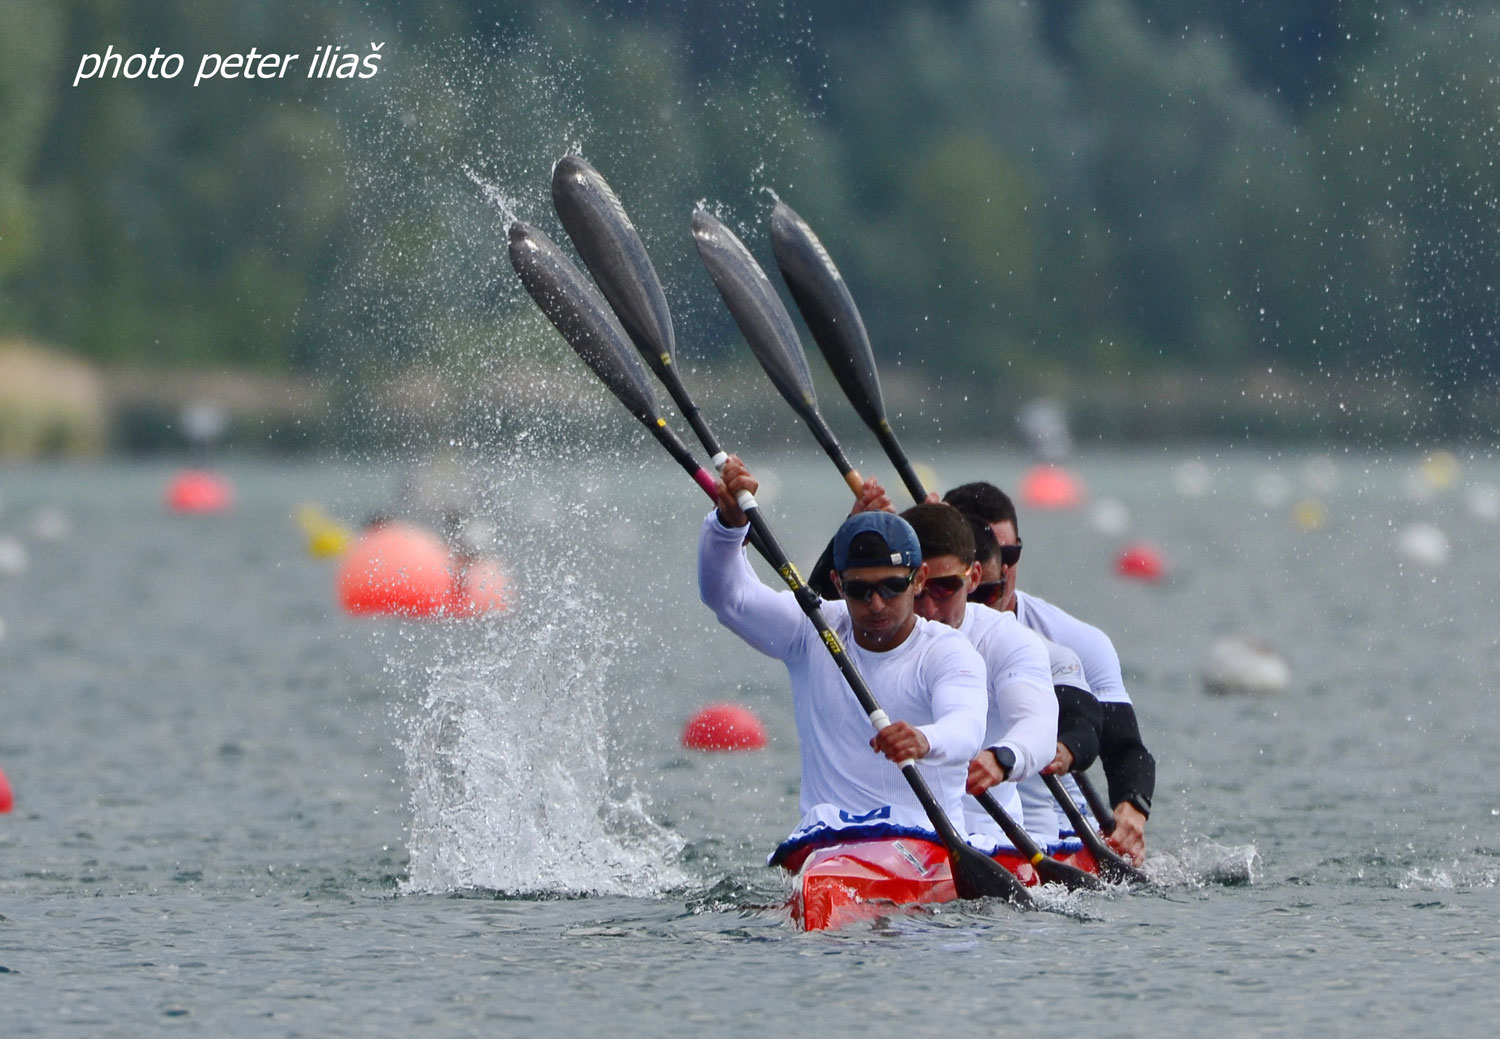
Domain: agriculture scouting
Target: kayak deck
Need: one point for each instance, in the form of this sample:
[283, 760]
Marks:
[844, 883]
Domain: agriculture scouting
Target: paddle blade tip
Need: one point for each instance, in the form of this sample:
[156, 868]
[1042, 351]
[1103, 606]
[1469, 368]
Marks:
[976, 875]
[571, 167]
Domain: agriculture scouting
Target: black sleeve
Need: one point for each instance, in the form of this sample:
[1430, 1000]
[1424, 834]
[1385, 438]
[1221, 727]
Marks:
[1128, 765]
[1079, 720]
[818, 580]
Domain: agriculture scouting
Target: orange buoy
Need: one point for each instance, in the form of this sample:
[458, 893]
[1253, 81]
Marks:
[1141, 561]
[396, 568]
[6, 800]
[199, 490]
[1050, 487]
[481, 588]
[724, 726]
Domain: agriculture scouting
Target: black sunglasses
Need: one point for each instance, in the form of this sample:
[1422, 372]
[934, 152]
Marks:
[1009, 554]
[888, 587]
[942, 588]
[988, 593]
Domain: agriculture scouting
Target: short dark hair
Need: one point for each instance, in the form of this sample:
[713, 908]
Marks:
[942, 531]
[985, 544]
[986, 501]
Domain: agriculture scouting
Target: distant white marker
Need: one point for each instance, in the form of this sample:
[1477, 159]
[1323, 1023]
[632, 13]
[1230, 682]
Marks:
[1423, 545]
[13, 557]
[1110, 517]
[1193, 479]
[1241, 664]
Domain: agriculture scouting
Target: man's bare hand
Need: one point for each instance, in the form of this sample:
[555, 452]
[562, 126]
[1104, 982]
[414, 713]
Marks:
[1129, 837]
[901, 742]
[984, 772]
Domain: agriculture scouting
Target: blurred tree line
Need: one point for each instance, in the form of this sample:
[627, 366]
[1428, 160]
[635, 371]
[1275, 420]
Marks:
[1019, 193]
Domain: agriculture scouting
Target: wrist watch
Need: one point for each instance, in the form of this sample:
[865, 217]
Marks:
[1005, 758]
[1140, 802]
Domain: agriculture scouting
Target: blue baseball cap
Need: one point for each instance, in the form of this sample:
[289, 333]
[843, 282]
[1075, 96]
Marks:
[875, 539]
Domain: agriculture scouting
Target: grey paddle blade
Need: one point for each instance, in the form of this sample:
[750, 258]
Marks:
[757, 310]
[829, 310]
[614, 254]
[575, 307]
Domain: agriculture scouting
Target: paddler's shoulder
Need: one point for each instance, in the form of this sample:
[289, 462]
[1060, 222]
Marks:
[938, 638]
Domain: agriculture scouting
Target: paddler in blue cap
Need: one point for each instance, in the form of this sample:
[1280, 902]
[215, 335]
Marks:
[925, 674]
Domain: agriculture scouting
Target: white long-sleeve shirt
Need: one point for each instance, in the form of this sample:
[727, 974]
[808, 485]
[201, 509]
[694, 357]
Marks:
[934, 680]
[1101, 663]
[1022, 707]
[1043, 818]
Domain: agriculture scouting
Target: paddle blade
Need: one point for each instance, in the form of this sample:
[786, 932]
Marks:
[1071, 877]
[758, 311]
[575, 307]
[976, 875]
[613, 252]
[829, 311]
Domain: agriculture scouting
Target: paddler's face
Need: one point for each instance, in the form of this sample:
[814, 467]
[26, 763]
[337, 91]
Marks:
[882, 616]
[1005, 534]
[944, 592]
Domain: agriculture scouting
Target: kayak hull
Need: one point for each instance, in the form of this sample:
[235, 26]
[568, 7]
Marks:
[860, 880]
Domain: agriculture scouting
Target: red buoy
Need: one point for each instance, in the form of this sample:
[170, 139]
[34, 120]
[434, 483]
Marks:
[1050, 487]
[6, 800]
[199, 490]
[1141, 561]
[396, 568]
[724, 726]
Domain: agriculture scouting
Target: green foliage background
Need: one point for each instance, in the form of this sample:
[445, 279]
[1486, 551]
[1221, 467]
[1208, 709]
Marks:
[1022, 196]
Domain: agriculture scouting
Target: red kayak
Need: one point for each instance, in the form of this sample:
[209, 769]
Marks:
[841, 884]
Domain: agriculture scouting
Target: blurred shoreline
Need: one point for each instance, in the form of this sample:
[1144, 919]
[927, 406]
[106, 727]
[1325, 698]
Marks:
[56, 406]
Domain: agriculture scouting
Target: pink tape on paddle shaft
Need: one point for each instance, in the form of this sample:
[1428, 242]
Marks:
[706, 481]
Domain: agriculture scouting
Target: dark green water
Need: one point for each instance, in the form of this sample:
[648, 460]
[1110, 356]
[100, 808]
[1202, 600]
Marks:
[238, 811]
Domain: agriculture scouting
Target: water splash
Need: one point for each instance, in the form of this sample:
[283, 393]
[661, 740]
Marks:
[508, 749]
[493, 194]
[511, 788]
[1204, 863]
[1454, 877]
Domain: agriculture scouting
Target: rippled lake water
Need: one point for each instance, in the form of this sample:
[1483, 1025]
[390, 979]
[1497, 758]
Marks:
[239, 811]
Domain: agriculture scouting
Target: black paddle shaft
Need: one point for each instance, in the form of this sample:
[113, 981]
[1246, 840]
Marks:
[1111, 865]
[1097, 804]
[1049, 869]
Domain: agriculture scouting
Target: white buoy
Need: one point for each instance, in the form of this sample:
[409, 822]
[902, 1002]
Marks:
[13, 557]
[1320, 475]
[1044, 423]
[1193, 479]
[1110, 517]
[1242, 664]
[1423, 545]
[1484, 501]
[1273, 490]
[49, 523]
